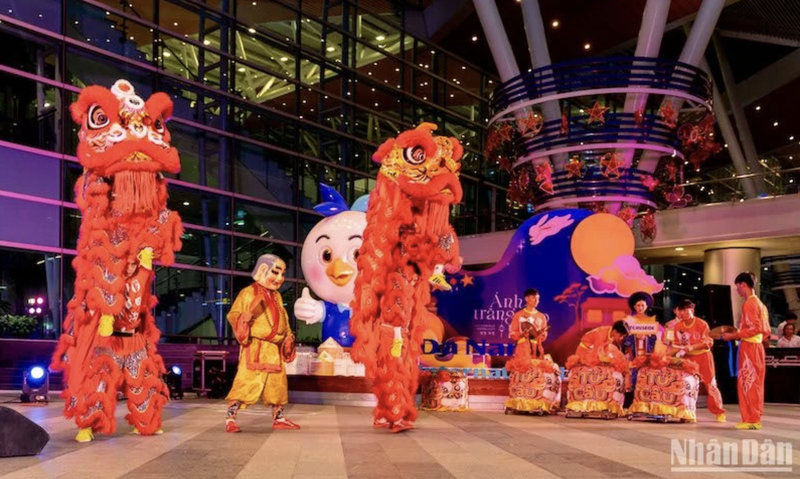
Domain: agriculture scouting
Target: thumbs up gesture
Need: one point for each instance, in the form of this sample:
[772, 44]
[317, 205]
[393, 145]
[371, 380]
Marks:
[308, 309]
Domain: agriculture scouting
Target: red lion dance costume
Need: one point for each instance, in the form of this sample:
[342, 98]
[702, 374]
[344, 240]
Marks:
[407, 242]
[109, 339]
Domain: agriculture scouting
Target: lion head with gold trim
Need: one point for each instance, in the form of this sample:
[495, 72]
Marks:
[124, 139]
[426, 167]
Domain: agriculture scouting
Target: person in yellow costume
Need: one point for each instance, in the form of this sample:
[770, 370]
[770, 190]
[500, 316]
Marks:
[261, 326]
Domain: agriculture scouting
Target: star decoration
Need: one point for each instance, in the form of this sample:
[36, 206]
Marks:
[574, 168]
[505, 131]
[668, 114]
[531, 125]
[610, 166]
[627, 215]
[467, 280]
[597, 113]
[564, 123]
[544, 174]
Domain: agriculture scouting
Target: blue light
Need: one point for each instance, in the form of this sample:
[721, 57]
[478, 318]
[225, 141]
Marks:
[176, 370]
[37, 372]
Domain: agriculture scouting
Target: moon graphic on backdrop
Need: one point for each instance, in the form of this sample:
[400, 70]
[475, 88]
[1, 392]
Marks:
[598, 240]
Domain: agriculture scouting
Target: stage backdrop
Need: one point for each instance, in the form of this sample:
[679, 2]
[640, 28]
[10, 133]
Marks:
[581, 263]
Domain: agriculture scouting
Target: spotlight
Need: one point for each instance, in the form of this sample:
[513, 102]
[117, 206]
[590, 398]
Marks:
[174, 380]
[35, 385]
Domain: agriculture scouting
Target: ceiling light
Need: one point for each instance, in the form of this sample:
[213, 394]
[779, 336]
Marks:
[791, 138]
[587, 46]
[185, 203]
[555, 23]
[167, 54]
[206, 42]
[474, 38]
[331, 49]
[241, 70]
[758, 107]
[283, 59]
[678, 249]
[380, 38]
[775, 124]
[251, 30]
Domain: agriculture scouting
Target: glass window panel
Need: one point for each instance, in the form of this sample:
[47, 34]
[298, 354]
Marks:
[252, 82]
[72, 171]
[265, 174]
[141, 9]
[28, 52]
[307, 222]
[184, 19]
[248, 250]
[200, 207]
[265, 126]
[85, 68]
[260, 48]
[31, 223]
[71, 221]
[203, 155]
[269, 15]
[26, 276]
[41, 13]
[191, 302]
[202, 248]
[102, 29]
[265, 221]
[29, 173]
[195, 105]
[30, 112]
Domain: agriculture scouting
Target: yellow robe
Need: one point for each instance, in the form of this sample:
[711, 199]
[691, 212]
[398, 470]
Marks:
[261, 372]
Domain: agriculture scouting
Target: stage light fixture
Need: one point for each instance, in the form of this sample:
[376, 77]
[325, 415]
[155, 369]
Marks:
[35, 385]
[174, 380]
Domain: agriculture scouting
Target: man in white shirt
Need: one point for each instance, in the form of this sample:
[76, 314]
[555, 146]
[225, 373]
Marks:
[789, 340]
[791, 318]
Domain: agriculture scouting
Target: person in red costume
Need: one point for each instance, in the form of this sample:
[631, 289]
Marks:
[692, 341]
[528, 331]
[602, 342]
[110, 337]
[752, 357]
[408, 243]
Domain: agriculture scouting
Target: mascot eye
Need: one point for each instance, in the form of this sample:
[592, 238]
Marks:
[97, 117]
[158, 125]
[414, 155]
[326, 255]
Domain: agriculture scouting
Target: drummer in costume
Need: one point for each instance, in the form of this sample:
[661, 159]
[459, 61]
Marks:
[691, 340]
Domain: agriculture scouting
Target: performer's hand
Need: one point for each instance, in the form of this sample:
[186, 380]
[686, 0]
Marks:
[397, 347]
[308, 309]
[729, 336]
[106, 327]
[146, 258]
[246, 317]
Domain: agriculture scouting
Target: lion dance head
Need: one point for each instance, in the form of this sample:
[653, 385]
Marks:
[124, 139]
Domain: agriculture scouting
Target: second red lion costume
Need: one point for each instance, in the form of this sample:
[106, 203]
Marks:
[109, 339]
[407, 241]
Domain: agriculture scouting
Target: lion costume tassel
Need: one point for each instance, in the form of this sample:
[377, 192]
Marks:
[407, 243]
[109, 338]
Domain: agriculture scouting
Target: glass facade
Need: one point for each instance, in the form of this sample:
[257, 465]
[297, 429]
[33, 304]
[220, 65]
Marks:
[271, 98]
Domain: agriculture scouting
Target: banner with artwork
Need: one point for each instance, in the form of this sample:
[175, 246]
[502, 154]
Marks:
[583, 267]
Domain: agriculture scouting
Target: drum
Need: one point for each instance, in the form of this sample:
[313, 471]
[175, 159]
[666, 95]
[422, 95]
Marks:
[536, 390]
[445, 391]
[665, 393]
[595, 391]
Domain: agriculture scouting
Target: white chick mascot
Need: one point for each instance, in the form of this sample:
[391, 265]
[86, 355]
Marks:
[329, 265]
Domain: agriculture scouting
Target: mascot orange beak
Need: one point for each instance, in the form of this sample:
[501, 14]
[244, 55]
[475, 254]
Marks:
[339, 272]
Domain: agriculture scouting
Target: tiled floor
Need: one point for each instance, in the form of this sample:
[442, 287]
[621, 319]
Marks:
[338, 442]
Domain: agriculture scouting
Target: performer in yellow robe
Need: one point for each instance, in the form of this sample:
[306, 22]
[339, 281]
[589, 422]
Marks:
[261, 325]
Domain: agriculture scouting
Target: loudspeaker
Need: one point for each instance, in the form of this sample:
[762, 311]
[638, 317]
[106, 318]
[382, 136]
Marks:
[19, 436]
[714, 305]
